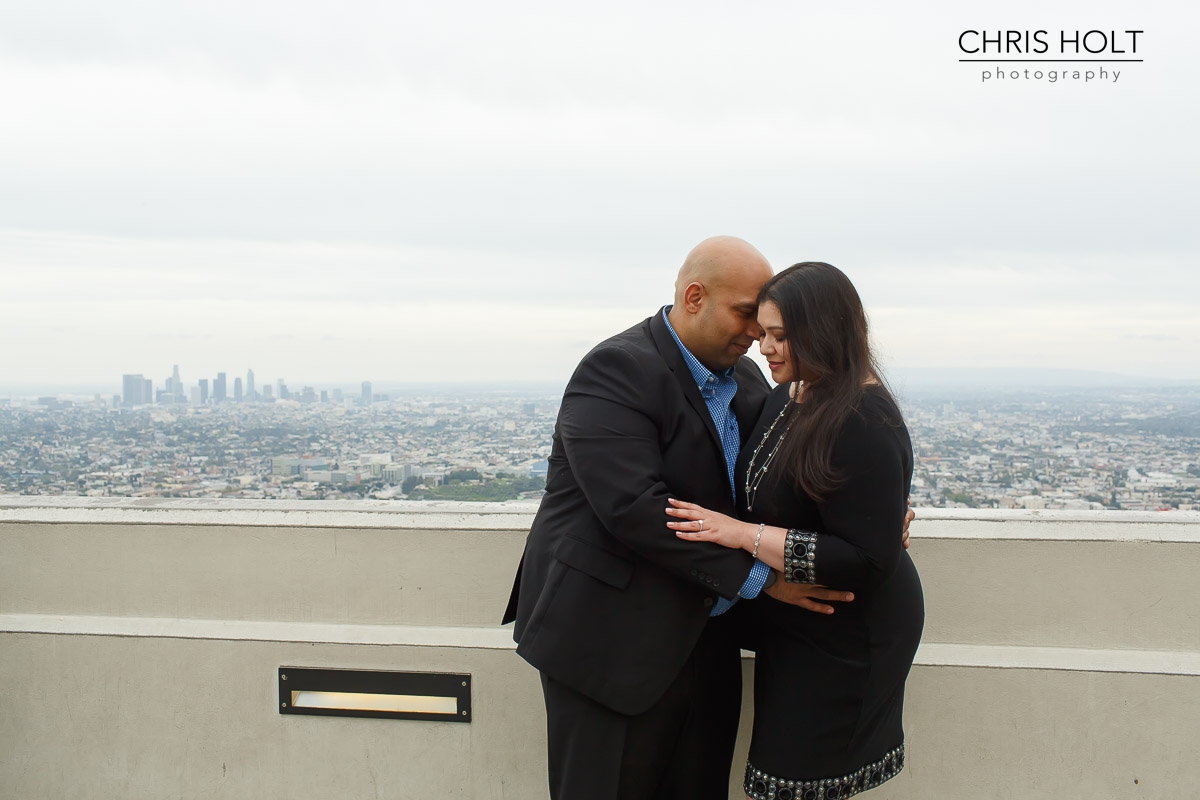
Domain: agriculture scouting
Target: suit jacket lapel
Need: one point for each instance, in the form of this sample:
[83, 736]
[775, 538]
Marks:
[674, 359]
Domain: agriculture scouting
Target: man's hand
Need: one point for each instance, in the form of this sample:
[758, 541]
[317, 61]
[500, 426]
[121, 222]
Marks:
[806, 595]
[909, 516]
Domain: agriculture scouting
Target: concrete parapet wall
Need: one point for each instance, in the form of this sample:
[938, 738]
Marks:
[140, 642]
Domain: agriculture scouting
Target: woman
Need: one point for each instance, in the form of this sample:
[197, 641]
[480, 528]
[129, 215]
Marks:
[823, 485]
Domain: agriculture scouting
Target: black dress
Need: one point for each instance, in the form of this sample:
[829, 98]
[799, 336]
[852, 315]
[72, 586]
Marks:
[829, 689]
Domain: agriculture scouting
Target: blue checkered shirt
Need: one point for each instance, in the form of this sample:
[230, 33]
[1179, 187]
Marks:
[718, 390]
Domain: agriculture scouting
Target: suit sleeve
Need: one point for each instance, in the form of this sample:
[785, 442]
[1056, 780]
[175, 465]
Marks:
[612, 445]
[861, 546]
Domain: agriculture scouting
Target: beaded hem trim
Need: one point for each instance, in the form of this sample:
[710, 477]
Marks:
[761, 786]
[799, 557]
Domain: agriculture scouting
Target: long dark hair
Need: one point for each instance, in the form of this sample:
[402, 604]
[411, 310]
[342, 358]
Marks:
[826, 331]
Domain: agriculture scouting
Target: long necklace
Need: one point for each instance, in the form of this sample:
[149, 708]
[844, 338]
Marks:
[753, 479]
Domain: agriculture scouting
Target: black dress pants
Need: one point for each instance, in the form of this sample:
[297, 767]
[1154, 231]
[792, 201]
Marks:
[682, 747]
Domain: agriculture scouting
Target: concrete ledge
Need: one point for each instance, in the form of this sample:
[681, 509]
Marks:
[141, 640]
[411, 515]
[474, 638]
[935, 523]
[931, 654]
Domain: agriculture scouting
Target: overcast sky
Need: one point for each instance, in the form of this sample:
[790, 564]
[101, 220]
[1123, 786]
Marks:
[481, 191]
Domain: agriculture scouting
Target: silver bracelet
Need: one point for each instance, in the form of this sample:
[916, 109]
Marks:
[799, 557]
[757, 537]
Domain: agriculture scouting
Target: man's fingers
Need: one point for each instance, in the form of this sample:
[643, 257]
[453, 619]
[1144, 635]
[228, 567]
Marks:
[813, 605]
[833, 595]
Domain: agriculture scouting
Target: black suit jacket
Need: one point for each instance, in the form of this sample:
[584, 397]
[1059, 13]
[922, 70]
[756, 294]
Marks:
[607, 600]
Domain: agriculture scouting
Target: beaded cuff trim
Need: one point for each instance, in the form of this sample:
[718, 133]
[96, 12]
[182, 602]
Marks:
[762, 786]
[799, 555]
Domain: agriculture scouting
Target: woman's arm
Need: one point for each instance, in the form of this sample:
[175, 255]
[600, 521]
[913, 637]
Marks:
[858, 546]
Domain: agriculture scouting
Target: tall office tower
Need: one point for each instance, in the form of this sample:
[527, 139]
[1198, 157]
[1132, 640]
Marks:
[131, 390]
[237, 390]
[366, 393]
[147, 391]
[176, 386]
[267, 392]
[284, 394]
[337, 395]
[219, 388]
[250, 395]
[203, 391]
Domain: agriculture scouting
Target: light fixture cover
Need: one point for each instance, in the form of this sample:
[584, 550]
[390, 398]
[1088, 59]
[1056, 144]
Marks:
[430, 696]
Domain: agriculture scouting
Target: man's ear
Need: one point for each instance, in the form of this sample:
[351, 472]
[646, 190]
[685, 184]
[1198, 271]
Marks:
[694, 296]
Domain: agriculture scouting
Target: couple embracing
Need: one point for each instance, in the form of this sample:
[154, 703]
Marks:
[691, 511]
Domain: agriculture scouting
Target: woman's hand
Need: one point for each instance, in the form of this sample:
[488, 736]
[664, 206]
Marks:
[698, 524]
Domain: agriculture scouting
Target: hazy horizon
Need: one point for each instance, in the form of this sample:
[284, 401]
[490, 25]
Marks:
[915, 378]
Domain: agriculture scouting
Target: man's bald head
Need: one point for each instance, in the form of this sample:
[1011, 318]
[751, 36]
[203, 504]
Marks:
[716, 300]
[719, 261]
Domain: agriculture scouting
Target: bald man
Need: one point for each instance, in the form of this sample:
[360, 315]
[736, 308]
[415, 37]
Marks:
[640, 669]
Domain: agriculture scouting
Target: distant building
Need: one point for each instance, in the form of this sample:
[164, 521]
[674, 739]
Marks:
[284, 465]
[131, 390]
[375, 463]
[203, 391]
[237, 390]
[366, 393]
[250, 394]
[219, 388]
[397, 473]
[267, 395]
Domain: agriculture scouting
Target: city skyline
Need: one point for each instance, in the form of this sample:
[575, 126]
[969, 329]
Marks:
[916, 379]
[1081, 449]
[919, 378]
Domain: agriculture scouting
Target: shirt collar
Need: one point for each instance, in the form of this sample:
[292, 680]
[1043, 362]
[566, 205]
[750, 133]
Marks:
[700, 373]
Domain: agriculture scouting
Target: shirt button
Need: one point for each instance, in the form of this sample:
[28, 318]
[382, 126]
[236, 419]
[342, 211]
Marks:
[708, 602]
